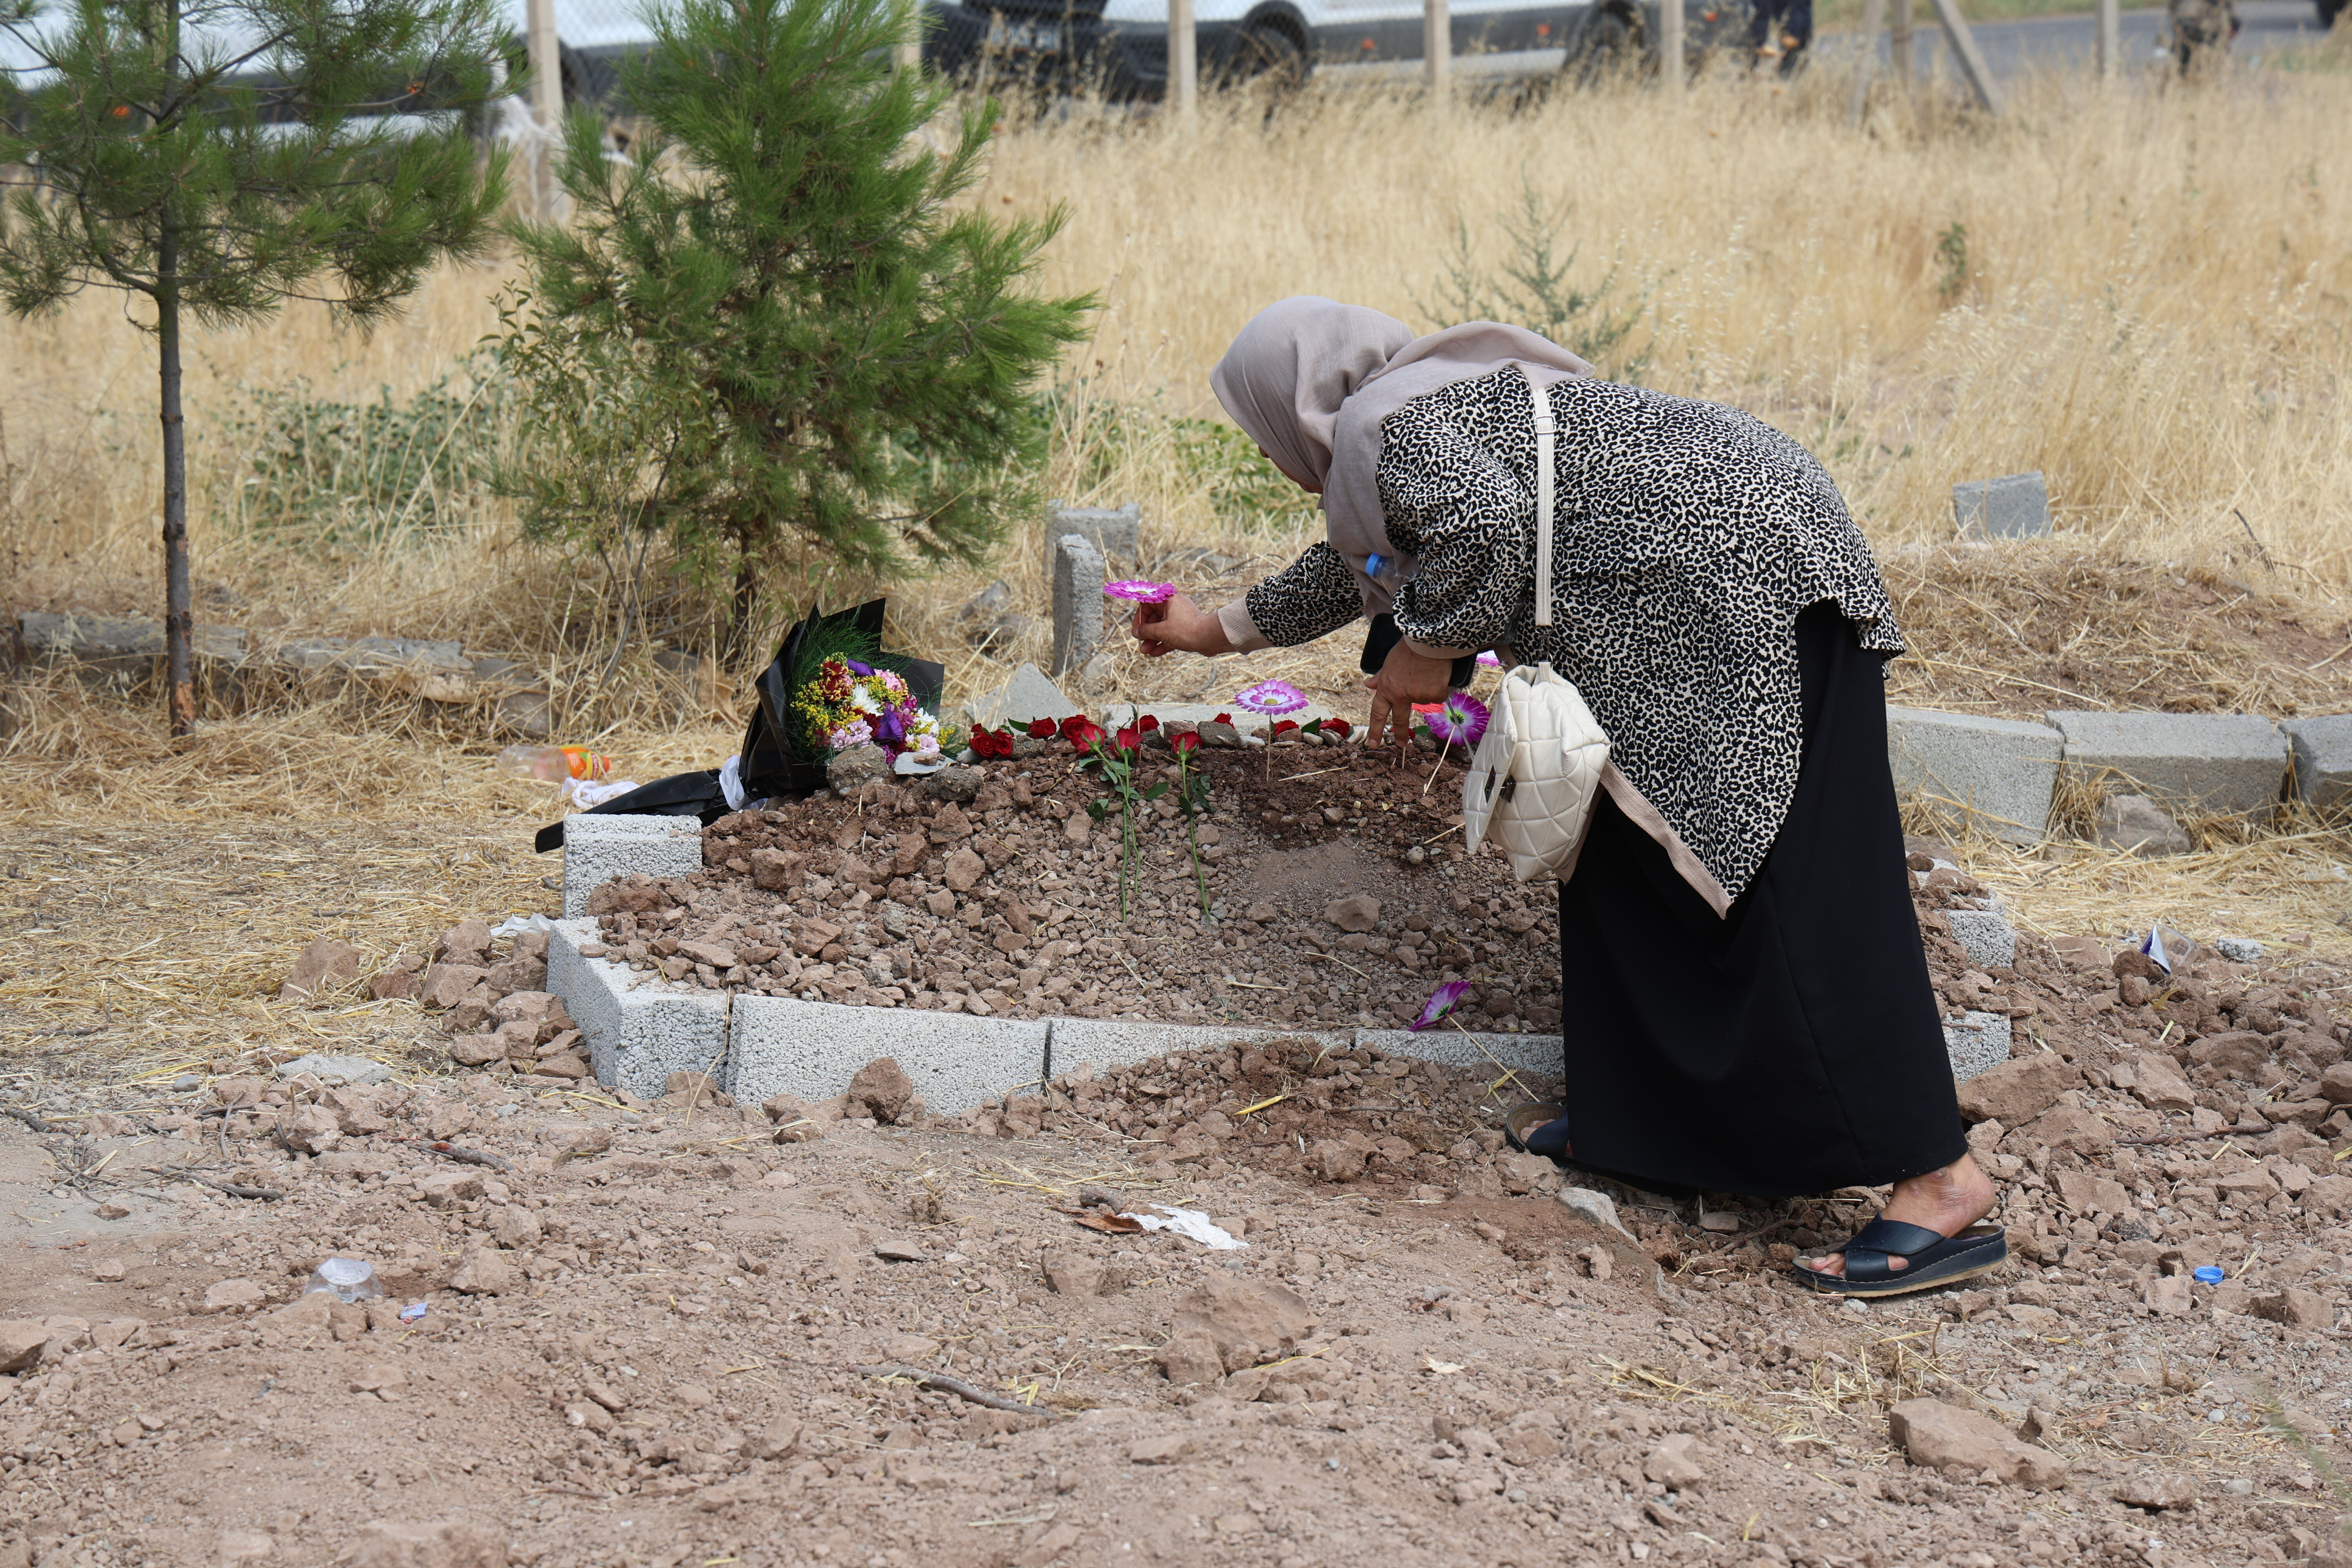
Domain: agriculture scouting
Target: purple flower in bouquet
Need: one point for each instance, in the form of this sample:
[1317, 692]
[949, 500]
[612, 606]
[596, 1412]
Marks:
[1442, 1001]
[856, 668]
[1489, 661]
[1135, 590]
[889, 728]
[856, 732]
[1459, 721]
[1268, 697]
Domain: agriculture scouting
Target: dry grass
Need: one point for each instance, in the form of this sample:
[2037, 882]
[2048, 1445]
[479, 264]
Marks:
[2152, 308]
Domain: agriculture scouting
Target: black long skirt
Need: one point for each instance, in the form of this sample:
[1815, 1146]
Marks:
[1793, 1046]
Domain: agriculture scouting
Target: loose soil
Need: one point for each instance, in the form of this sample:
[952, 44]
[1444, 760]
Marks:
[643, 1329]
[1008, 901]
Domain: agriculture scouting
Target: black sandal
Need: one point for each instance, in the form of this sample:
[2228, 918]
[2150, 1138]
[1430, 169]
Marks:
[1523, 1122]
[1934, 1258]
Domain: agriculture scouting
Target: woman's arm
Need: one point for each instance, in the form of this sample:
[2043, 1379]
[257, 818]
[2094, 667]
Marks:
[1314, 595]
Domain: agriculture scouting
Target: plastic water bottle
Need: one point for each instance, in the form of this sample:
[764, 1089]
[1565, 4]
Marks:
[346, 1279]
[552, 764]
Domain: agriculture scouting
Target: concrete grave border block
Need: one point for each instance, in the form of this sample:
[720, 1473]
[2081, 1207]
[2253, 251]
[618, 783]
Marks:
[1985, 935]
[1106, 1043]
[782, 1044]
[2223, 761]
[1998, 773]
[1451, 1047]
[639, 1030]
[1976, 1042]
[2322, 758]
[597, 849]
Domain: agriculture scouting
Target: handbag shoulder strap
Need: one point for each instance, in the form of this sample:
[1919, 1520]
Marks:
[1544, 432]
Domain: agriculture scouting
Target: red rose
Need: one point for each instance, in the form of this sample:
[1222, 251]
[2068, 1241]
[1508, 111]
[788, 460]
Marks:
[1285, 726]
[1081, 732]
[1146, 723]
[1041, 729]
[1223, 718]
[1129, 740]
[1184, 742]
[1339, 727]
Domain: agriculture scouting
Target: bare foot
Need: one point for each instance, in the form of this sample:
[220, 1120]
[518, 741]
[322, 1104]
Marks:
[1946, 1202]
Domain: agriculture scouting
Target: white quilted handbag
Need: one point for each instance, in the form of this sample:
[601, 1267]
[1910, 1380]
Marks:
[1533, 779]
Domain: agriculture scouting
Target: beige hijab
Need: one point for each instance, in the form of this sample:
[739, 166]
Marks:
[1310, 380]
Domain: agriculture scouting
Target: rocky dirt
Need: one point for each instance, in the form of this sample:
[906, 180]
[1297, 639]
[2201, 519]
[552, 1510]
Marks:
[1338, 895]
[644, 1324]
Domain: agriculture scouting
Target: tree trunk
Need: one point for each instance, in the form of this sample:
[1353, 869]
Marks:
[179, 619]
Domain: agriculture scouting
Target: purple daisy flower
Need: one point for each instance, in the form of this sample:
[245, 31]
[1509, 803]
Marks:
[1268, 697]
[1441, 1001]
[1459, 721]
[1137, 591]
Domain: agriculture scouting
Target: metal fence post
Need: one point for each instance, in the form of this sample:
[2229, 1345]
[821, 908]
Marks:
[546, 101]
[1437, 47]
[1672, 68]
[1183, 62]
[2110, 39]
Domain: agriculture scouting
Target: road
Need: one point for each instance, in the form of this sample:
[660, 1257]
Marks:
[2011, 47]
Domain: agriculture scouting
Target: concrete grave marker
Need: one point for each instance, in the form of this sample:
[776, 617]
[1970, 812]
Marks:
[2014, 506]
[598, 848]
[1078, 575]
[1116, 532]
[2322, 758]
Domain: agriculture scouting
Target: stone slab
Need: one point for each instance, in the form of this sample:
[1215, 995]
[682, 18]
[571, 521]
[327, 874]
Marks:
[1977, 1042]
[639, 1028]
[1115, 531]
[2322, 749]
[1997, 773]
[782, 1044]
[598, 848]
[1488, 1053]
[1029, 695]
[127, 646]
[1078, 574]
[1106, 1043]
[2221, 762]
[2014, 506]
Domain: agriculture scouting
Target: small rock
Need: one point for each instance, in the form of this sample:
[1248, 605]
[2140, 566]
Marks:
[693, 1395]
[1336, 1161]
[20, 1343]
[467, 943]
[1673, 1464]
[855, 767]
[781, 1440]
[378, 1377]
[883, 1088]
[958, 782]
[113, 1211]
[1723, 1222]
[515, 1226]
[446, 1189]
[2153, 1491]
[401, 980]
[323, 966]
[588, 1416]
[1360, 912]
[358, 1071]
[1073, 1275]
[1597, 1207]
[2295, 1307]
[2137, 825]
[1946, 1437]
[899, 1249]
[2018, 1090]
[1522, 1173]
[487, 1272]
[1165, 1449]
[108, 1272]
[234, 1295]
[313, 1130]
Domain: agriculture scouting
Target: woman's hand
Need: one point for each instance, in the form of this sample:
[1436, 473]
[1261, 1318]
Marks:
[1178, 625]
[1405, 678]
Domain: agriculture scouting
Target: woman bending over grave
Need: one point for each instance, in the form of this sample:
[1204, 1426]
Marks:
[1747, 1003]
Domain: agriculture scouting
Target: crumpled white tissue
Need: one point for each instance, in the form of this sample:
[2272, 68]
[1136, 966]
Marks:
[1192, 1225]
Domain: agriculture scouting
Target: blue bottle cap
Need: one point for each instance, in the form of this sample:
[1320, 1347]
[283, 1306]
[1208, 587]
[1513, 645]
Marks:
[2205, 1274]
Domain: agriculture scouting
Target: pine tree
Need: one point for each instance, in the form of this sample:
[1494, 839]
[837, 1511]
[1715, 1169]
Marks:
[816, 349]
[220, 157]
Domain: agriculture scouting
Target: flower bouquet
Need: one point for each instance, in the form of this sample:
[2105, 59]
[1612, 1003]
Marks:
[831, 687]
